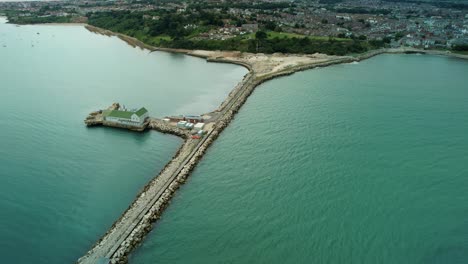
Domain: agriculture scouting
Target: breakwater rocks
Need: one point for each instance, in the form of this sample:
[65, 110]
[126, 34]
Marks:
[136, 222]
[239, 87]
[407, 50]
[129, 231]
[154, 213]
[166, 128]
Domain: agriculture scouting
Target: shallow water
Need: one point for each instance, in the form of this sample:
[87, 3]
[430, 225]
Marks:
[62, 185]
[355, 163]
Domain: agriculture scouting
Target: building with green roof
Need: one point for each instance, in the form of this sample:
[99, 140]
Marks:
[131, 118]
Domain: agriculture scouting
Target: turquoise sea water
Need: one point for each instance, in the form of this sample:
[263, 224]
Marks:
[62, 185]
[356, 163]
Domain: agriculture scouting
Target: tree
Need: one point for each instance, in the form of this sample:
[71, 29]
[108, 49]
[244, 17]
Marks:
[462, 47]
[399, 35]
[304, 41]
[270, 25]
[261, 35]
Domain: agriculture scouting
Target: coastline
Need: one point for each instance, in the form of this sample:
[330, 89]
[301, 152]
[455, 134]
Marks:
[159, 190]
[135, 42]
[136, 230]
[55, 24]
[220, 54]
[133, 225]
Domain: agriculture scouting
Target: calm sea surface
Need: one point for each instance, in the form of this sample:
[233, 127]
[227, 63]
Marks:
[356, 163]
[62, 185]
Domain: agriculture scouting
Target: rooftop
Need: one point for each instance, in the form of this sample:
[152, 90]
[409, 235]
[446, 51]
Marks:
[124, 114]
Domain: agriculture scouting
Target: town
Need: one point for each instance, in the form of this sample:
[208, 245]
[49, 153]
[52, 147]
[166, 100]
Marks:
[327, 26]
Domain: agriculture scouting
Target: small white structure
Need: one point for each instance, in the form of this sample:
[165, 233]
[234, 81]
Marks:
[189, 126]
[199, 126]
[181, 124]
[130, 118]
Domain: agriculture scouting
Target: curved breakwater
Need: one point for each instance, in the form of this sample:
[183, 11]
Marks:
[131, 228]
[324, 167]
[136, 222]
[127, 232]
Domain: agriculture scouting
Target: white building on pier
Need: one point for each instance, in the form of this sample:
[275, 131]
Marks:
[134, 118]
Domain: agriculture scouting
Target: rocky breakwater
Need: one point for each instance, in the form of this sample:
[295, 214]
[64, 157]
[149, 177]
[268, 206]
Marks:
[131, 228]
[155, 211]
[119, 254]
[129, 231]
[408, 50]
[167, 128]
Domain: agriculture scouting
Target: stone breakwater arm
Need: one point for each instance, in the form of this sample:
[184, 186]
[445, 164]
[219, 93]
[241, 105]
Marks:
[136, 222]
[130, 229]
[124, 233]
[161, 126]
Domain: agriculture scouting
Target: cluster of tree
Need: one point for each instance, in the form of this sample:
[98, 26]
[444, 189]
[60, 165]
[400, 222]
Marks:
[309, 46]
[145, 28]
[284, 45]
[167, 23]
[119, 21]
[229, 44]
[463, 47]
